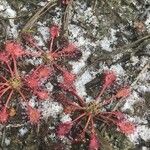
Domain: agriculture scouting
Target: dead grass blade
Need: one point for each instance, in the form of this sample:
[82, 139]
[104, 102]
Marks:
[38, 14]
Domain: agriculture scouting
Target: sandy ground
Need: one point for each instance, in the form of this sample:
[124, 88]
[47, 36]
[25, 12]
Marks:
[111, 34]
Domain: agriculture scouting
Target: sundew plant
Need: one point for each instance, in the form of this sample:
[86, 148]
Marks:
[74, 75]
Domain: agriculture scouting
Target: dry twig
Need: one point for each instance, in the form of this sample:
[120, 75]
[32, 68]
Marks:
[38, 14]
[66, 18]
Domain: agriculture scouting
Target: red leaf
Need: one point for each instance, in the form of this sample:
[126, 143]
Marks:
[69, 78]
[32, 82]
[54, 31]
[44, 72]
[71, 48]
[126, 127]
[109, 78]
[119, 115]
[124, 92]
[64, 128]
[33, 114]
[4, 57]
[14, 49]
[43, 95]
[94, 143]
[4, 115]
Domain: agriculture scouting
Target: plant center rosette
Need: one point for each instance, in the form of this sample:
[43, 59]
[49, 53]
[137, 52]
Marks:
[87, 116]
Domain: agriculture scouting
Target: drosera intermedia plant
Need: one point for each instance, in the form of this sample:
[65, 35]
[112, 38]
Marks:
[87, 116]
[13, 82]
[13, 51]
[55, 54]
[17, 83]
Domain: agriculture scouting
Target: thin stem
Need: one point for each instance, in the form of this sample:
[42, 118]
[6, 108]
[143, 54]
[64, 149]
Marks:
[58, 67]
[71, 90]
[37, 47]
[4, 91]
[107, 118]
[35, 54]
[51, 44]
[2, 87]
[3, 84]
[11, 72]
[106, 102]
[86, 126]
[92, 124]
[15, 67]
[79, 98]
[34, 74]
[22, 95]
[75, 105]
[101, 93]
[79, 117]
[4, 78]
[8, 99]
[102, 120]
[37, 68]
[106, 113]
[57, 50]
[87, 123]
